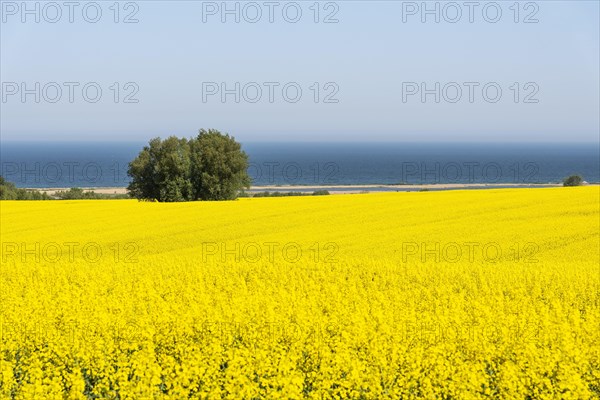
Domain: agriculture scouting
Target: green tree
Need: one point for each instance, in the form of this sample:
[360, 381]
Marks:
[211, 166]
[573, 180]
[144, 184]
[219, 166]
[71, 194]
[173, 170]
[161, 171]
[8, 191]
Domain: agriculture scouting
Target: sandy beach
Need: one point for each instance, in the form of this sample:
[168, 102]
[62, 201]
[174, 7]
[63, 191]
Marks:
[342, 189]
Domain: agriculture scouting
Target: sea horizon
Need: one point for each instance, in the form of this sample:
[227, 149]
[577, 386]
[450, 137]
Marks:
[327, 164]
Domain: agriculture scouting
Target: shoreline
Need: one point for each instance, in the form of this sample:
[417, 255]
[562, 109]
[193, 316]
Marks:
[345, 189]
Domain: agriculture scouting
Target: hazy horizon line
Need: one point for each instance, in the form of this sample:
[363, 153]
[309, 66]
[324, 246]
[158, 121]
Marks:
[68, 141]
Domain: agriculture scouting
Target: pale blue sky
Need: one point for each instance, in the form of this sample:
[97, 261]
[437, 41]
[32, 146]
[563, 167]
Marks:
[367, 55]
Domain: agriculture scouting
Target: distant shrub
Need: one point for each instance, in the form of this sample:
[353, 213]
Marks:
[80, 194]
[278, 194]
[71, 194]
[8, 191]
[287, 194]
[573, 180]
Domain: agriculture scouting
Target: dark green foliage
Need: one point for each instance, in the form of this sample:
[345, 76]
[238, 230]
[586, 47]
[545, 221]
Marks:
[71, 194]
[162, 171]
[79, 194]
[219, 166]
[278, 194]
[573, 180]
[288, 194]
[211, 166]
[8, 191]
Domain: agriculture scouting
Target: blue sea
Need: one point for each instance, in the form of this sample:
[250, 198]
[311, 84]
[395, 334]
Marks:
[85, 164]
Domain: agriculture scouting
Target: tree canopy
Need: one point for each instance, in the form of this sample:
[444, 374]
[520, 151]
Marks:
[211, 166]
[573, 180]
[8, 191]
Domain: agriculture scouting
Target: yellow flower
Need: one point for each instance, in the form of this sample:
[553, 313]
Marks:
[458, 294]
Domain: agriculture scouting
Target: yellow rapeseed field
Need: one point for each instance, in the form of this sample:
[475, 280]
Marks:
[455, 295]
